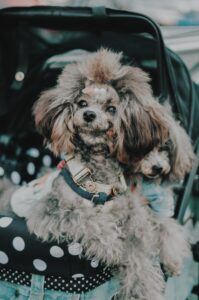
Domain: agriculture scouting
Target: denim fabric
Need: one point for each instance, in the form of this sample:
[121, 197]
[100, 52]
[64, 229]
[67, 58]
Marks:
[160, 198]
[11, 291]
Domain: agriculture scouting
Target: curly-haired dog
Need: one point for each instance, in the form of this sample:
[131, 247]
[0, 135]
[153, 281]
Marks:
[101, 113]
[160, 169]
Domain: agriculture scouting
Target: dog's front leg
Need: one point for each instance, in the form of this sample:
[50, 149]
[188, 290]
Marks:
[97, 231]
[141, 278]
[173, 246]
[140, 272]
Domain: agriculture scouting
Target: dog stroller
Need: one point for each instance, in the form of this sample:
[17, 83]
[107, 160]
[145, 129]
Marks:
[34, 44]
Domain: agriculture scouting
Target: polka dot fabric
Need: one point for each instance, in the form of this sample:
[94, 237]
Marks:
[63, 265]
[75, 284]
[23, 157]
[15, 276]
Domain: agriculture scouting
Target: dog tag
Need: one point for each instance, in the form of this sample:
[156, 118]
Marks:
[91, 186]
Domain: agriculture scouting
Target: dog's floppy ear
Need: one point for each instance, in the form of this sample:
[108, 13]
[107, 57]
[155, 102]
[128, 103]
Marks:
[142, 130]
[53, 121]
[182, 156]
[53, 111]
[44, 113]
[143, 122]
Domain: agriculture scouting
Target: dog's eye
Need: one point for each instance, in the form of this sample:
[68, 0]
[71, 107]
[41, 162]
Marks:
[111, 109]
[82, 103]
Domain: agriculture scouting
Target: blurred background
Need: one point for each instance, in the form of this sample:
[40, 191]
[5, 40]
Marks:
[176, 12]
[179, 21]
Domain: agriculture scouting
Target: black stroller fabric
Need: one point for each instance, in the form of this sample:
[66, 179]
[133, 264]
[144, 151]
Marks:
[26, 254]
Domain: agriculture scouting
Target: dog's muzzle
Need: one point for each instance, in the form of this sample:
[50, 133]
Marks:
[89, 116]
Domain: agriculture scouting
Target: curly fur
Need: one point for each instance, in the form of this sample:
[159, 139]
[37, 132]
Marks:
[175, 158]
[183, 157]
[111, 233]
[127, 122]
[7, 188]
[141, 122]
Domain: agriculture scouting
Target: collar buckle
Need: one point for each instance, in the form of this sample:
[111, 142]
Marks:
[81, 174]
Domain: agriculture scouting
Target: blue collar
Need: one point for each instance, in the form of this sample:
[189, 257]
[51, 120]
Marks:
[98, 198]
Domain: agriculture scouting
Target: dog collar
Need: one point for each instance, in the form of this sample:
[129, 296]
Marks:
[96, 198]
[73, 172]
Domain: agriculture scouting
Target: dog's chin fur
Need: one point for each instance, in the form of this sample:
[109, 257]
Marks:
[94, 139]
[124, 232]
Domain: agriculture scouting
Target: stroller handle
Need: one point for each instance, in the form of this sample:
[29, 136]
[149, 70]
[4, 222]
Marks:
[95, 19]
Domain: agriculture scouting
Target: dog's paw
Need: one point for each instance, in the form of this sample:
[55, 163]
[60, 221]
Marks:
[174, 247]
[172, 268]
[172, 263]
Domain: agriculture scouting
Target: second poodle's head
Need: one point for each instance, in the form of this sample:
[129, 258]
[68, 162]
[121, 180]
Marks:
[157, 163]
[171, 160]
[99, 101]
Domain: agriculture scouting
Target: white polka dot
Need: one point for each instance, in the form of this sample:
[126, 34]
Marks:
[30, 168]
[75, 248]
[75, 276]
[18, 243]
[33, 152]
[5, 221]
[39, 264]
[47, 161]
[94, 263]
[15, 176]
[3, 258]
[2, 172]
[56, 251]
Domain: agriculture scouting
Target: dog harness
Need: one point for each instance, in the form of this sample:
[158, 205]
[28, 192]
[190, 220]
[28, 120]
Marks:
[74, 172]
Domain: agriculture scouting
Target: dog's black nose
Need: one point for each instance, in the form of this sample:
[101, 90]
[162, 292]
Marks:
[157, 169]
[89, 116]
